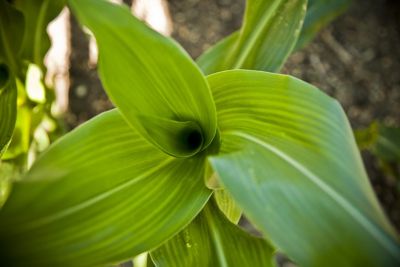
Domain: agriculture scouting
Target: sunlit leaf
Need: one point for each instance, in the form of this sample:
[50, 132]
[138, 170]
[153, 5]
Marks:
[34, 84]
[319, 14]
[269, 32]
[142, 260]
[211, 240]
[100, 195]
[290, 160]
[37, 14]
[227, 205]
[20, 139]
[150, 78]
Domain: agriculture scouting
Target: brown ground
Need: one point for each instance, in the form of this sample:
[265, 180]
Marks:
[356, 59]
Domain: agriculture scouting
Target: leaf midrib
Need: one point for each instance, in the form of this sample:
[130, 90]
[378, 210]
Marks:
[341, 201]
[270, 12]
[216, 238]
[93, 200]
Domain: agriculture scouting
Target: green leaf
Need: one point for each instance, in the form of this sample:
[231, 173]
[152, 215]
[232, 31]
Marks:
[37, 14]
[387, 146]
[21, 136]
[8, 112]
[319, 14]
[11, 32]
[99, 195]
[23, 130]
[150, 78]
[228, 206]
[269, 32]
[8, 172]
[290, 161]
[211, 240]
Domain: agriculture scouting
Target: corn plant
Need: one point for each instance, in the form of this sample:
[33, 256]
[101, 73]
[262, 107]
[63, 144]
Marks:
[171, 169]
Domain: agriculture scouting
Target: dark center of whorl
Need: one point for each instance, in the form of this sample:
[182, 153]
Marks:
[4, 75]
[192, 139]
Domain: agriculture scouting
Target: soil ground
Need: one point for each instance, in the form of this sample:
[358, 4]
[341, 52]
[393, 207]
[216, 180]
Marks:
[356, 59]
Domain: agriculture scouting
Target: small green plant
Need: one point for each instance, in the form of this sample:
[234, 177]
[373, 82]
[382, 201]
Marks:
[25, 101]
[183, 155]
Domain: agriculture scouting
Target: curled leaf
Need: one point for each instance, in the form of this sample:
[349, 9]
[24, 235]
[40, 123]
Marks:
[150, 76]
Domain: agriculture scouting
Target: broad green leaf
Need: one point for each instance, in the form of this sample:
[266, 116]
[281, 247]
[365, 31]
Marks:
[99, 195]
[290, 161]
[269, 32]
[150, 78]
[37, 14]
[8, 111]
[211, 240]
[319, 14]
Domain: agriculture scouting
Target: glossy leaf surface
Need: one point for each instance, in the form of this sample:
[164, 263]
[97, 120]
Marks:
[211, 240]
[150, 78]
[269, 32]
[101, 194]
[290, 161]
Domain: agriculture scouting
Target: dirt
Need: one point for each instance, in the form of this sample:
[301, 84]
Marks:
[356, 60]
